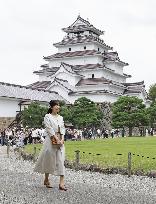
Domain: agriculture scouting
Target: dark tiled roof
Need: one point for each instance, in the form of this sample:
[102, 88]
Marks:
[134, 83]
[82, 27]
[82, 39]
[41, 85]
[73, 54]
[45, 65]
[50, 71]
[112, 56]
[135, 87]
[87, 66]
[93, 81]
[27, 93]
[127, 75]
[94, 92]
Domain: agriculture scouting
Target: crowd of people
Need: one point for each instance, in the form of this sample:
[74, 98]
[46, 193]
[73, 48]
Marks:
[21, 136]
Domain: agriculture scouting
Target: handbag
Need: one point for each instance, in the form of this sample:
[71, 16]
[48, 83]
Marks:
[59, 135]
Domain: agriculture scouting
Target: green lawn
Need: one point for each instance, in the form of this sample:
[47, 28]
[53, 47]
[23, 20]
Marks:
[109, 148]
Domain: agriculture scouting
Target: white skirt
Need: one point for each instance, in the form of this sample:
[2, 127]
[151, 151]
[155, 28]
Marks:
[51, 159]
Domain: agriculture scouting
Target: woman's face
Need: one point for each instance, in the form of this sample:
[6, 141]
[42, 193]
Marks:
[56, 108]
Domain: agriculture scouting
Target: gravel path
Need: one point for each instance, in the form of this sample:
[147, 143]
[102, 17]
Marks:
[19, 184]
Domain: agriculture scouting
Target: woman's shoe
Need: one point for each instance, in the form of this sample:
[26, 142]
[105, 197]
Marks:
[47, 184]
[62, 188]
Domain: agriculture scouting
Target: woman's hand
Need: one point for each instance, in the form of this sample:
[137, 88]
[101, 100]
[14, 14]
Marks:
[57, 140]
[62, 142]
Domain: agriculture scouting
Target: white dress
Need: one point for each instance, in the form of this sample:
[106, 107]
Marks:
[51, 158]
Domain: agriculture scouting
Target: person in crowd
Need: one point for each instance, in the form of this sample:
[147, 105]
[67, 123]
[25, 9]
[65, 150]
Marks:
[52, 156]
[112, 133]
[3, 138]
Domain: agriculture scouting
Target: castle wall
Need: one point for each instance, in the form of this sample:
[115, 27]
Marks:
[76, 60]
[5, 122]
[8, 107]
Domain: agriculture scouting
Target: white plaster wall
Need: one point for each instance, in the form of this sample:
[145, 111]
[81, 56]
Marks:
[101, 48]
[80, 47]
[72, 80]
[76, 47]
[8, 107]
[98, 98]
[61, 91]
[98, 73]
[108, 87]
[76, 60]
[115, 66]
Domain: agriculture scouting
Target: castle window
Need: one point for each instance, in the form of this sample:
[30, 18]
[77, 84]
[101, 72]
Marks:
[84, 47]
[98, 49]
[70, 49]
[92, 76]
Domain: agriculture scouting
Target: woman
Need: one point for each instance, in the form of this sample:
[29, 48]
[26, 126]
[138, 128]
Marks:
[52, 156]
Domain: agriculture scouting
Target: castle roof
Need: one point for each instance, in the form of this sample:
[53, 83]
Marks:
[135, 87]
[94, 92]
[82, 25]
[113, 57]
[27, 93]
[107, 56]
[93, 81]
[73, 54]
[76, 68]
[63, 83]
[40, 85]
[81, 39]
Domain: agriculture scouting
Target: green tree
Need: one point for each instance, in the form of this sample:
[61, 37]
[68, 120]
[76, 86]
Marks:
[152, 92]
[152, 114]
[66, 113]
[85, 113]
[33, 115]
[129, 112]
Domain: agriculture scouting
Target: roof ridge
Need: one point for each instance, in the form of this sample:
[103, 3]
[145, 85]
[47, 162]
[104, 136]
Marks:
[21, 86]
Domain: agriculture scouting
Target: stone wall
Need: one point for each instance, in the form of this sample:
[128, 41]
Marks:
[5, 122]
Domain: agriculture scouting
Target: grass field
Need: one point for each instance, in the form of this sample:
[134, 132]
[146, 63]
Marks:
[109, 148]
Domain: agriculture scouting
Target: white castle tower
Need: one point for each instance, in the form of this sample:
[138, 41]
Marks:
[85, 66]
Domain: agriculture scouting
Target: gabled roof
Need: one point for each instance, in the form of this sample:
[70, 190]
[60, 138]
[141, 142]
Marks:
[68, 68]
[73, 54]
[63, 83]
[26, 93]
[82, 25]
[81, 40]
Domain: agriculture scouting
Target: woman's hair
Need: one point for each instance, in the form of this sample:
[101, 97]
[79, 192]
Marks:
[52, 103]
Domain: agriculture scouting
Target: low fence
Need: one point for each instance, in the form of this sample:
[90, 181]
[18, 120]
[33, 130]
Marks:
[79, 161]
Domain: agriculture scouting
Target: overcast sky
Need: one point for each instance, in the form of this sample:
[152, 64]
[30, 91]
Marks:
[28, 29]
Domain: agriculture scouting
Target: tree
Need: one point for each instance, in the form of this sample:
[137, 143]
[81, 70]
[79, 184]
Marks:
[129, 112]
[33, 115]
[152, 114]
[152, 92]
[66, 113]
[85, 113]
